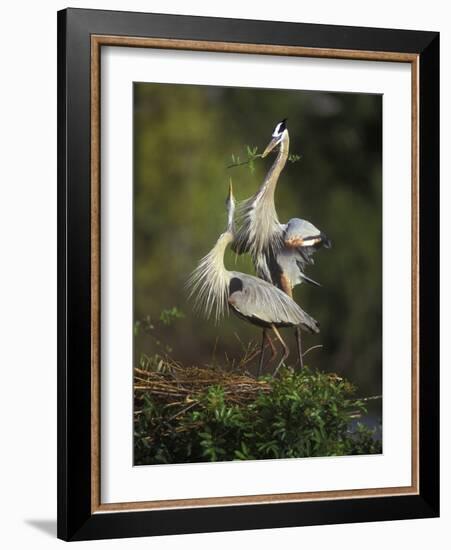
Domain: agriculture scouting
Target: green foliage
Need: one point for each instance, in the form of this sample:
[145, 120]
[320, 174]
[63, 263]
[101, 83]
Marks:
[252, 155]
[292, 157]
[152, 329]
[168, 316]
[304, 414]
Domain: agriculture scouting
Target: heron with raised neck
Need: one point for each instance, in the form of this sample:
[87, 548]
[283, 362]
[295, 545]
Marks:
[280, 252]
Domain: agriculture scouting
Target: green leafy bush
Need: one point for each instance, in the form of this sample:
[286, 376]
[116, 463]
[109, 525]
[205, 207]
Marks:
[301, 414]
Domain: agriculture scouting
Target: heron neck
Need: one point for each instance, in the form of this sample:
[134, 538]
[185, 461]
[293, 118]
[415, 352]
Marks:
[210, 280]
[269, 185]
[219, 251]
[266, 221]
[219, 277]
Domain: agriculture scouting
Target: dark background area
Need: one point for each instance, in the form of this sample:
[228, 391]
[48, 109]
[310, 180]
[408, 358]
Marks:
[184, 137]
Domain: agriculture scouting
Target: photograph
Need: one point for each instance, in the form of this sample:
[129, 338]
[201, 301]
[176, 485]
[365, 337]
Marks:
[257, 274]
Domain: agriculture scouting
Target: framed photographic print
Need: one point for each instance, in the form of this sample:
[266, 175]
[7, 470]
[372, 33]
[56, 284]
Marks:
[248, 274]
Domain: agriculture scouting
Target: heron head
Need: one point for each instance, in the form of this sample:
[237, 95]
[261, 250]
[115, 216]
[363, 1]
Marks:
[280, 131]
[230, 206]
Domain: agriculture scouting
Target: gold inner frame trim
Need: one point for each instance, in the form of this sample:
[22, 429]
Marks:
[97, 41]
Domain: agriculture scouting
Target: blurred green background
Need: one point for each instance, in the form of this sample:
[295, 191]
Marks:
[184, 137]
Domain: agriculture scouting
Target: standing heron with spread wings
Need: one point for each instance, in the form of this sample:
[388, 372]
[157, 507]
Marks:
[250, 298]
[280, 252]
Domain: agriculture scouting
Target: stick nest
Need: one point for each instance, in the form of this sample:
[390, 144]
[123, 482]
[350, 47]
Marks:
[173, 384]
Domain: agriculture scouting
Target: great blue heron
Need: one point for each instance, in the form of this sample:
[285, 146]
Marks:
[249, 297]
[280, 252]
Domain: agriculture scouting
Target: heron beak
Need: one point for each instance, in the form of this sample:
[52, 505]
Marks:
[230, 197]
[275, 141]
[230, 205]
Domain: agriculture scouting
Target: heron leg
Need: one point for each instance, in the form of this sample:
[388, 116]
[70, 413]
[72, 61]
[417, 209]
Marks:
[285, 348]
[262, 354]
[272, 346]
[299, 345]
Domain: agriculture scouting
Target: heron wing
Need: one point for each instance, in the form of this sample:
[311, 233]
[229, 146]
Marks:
[260, 300]
[303, 234]
[300, 229]
[303, 238]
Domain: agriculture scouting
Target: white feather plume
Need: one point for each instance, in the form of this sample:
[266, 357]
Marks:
[209, 282]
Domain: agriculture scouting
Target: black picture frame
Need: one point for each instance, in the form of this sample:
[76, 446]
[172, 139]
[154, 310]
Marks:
[76, 521]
